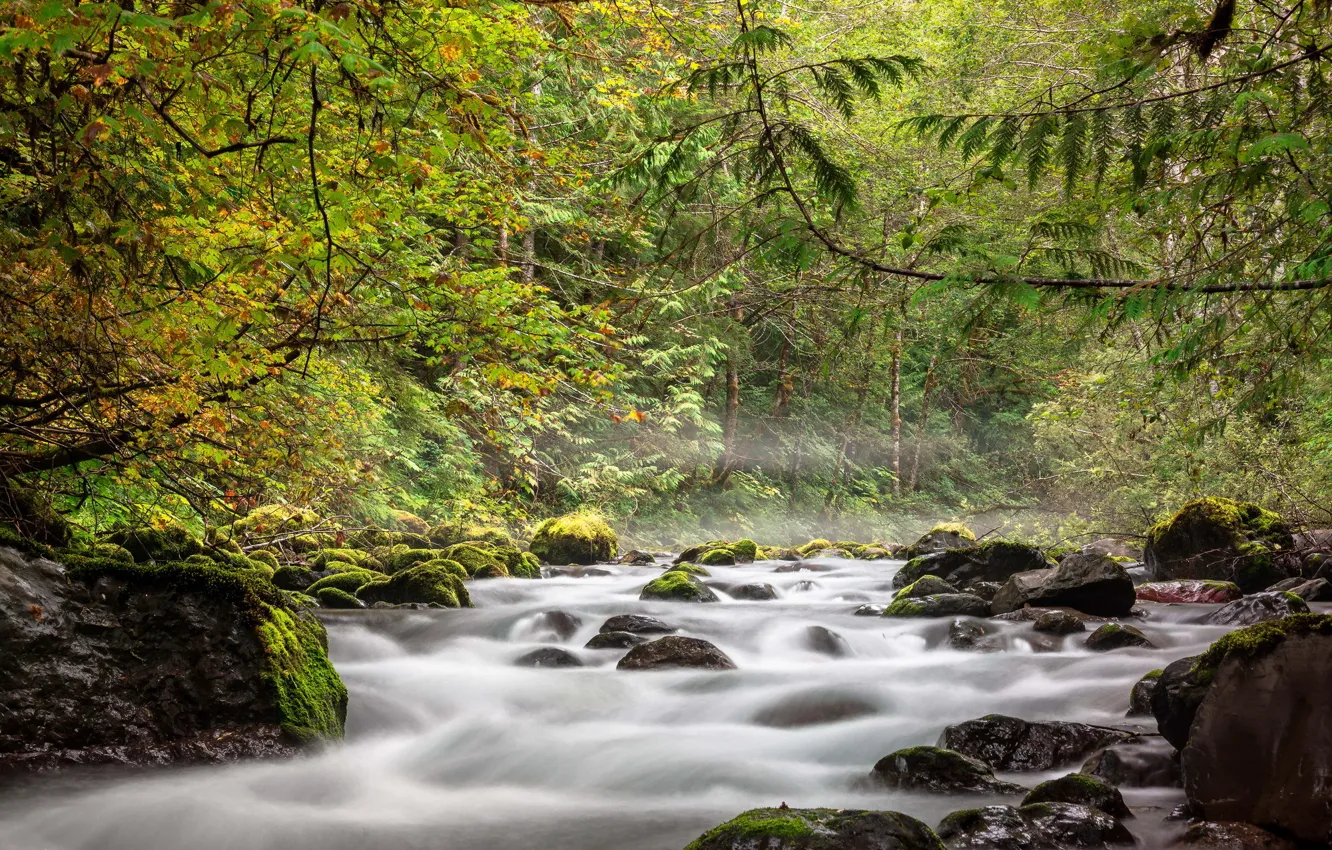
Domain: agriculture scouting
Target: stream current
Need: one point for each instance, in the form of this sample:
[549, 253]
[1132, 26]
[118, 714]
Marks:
[450, 746]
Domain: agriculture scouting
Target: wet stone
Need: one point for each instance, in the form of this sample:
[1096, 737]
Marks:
[827, 642]
[615, 640]
[639, 624]
[548, 656]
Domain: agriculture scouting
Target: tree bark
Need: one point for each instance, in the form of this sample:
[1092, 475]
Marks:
[895, 406]
[731, 421]
[924, 420]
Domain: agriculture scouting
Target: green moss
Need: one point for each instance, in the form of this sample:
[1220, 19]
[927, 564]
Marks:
[753, 826]
[528, 566]
[265, 558]
[677, 586]
[274, 520]
[904, 607]
[299, 600]
[165, 540]
[926, 585]
[721, 556]
[693, 553]
[349, 581]
[954, 528]
[478, 560]
[818, 544]
[1259, 639]
[401, 559]
[449, 533]
[746, 550]
[358, 557]
[311, 699]
[431, 583]
[691, 569]
[1151, 675]
[579, 538]
[332, 597]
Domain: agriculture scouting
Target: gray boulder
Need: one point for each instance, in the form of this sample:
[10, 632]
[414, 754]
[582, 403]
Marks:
[938, 770]
[1010, 743]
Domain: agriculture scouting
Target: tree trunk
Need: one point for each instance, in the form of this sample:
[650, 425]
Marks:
[731, 421]
[895, 406]
[924, 420]
[785, 382]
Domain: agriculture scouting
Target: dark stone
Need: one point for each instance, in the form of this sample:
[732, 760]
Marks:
[636, 558]
[1010, 743]
[1220, 539]
[939, 540]
[994, 561]
[814, 709]
[986, 590]
[939, 605]
[1140, 698]
[1308, 589]
[937, 564]
[1148, 763]
[972, 635]
[804, 566]
[1117, 636]
[1092, 584]
[548, 656]
[819, 829]
[1083, 790]
[757, 592]
[1058, 623]
[1258, 608]
[293, 577]
[1232, 836]
[827, 642]
[138, 666]
[925, 586]
[1176, 699]
[674, 651]
[615, 640]
[639, 624]
[562, 623]
[940, 770]
[868, 611]
[1260, 747]
[1040, 826]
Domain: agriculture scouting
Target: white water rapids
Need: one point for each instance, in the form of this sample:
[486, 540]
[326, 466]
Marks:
[451, 747]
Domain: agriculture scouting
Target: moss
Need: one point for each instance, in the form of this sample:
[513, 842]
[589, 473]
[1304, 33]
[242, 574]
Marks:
[926, 585]
[401, 559]
[9, 536]
[300, 600]
[478, 561]
[265, 558]
[579, 538]
[753, 827]
[430, 583]
[332, 597]
[746, 550]
[274, 520]
[311, 699]
[528, 566]
[449, 533]
[956, 528]
[350, 581]
[166, 539]
[818, 544]
[677, 586]
[904, 607]
[1151, 675]
[303, 543]
[721, 556]
[348, 556]
[693, 553]
[1259, 639]
[691, 569]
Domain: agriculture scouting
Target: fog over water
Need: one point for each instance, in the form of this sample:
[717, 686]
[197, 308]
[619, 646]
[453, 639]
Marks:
[449, 745]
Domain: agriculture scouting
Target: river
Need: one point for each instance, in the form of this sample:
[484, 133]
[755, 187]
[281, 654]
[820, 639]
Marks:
[452, 747]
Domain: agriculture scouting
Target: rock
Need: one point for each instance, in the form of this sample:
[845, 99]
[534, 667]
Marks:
[804, 586]
[1113, 548]
[827, 642]
[1009, 743]
[674, 651]
[940, 770]
[986, 590]
[1140, 698]
[757, 592]
[1058, 623]
[1147, 763]
[636, 558]
[1308, 589]
[576, 538]
[638, 624]
[819, 829]
[1215, 538]
[434, 583]
[1258, 608]
[615, 640]
[688, 569]
[677, 587]
[331, 597]
[1196, 590]
[562, 623]
[815, 708]
[1176, 698]
[804, 566]
[1260, 746]
[1040, 826]
[548, 656]
[868, 611]
[925, 586]
[1117, 636]
[972, 635]
[1082, 790]
[1232, 836]
[1092, 584]
[293, 577]
[722, 556]
[108, 662]
[939, 605]
[944, 536]
[995, 561]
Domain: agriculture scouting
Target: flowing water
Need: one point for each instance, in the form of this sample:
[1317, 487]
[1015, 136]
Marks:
[451, 746]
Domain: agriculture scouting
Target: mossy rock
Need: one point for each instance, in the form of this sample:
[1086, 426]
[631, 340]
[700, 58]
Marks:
[349, 581]
[1254, 641]
[926, 585]
[166, 539]
[347, 556]
[31, 520]
[480, 560]
[265, 558]
[375, 537]
[332, 597]
[693, 553]
[691, 569]
[528, 566]
[816, 545]
[818, 829]
[1220, 539]
[273, 521]
[941, 538]
[720, 557]
[578, 538]
[111, 552]
[401, 558]
[449, 533]
[746, 551]
[430, 583]
[676, 586]
[310, 698]
[293, 577]
[409, 522]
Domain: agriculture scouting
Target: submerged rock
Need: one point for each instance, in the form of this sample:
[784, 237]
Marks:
[819, 829]
[562, 623]
[1148, 763]
[639, 624]
[1258, 608]
[827, 642]
[548, 656]
[869, 610]
[1189, 591]
[815, 708]
[1220, 539]
[1117, 636]
[1039, 826]
[636, 558]
[109, 662]
[972, 635]
[1010, 743]
[1058, 622]
[941, 770]
[677, 587]
[1082, 790]
[615, 640]
[1308, 589]
[938, 605]
[674, 651]
[757, 592]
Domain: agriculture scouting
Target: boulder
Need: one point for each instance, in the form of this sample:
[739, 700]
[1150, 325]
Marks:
[938, 770]
[108, 662]
[1308, 589]
[986, 590]
[869, 610]
[563, 624]
[331, 597]
[677, 587]
[939, 605]
[1092, 584]
[636, 558]
[819, 829]
[757, 592]
[548, 656]
[722, 556]
[1176, 698]
[433, 583]
[1114, 548]
[1258, 608]
[1260, 747]
[639, 624]
[1146, 763]
[1140, 698]
[994, 561]
[1220, 539]
[1039, 826]
[1185, 590]
[1082, 790]
[615, 640]
[827, 642]
[1232, 836]
[1058, 622]
[674, 651]
[578, 538]
[1117, 636]
[1010, 743]
[293, 577]
[944, 536]
[972, 636]
[925, 586]
[815, 708]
